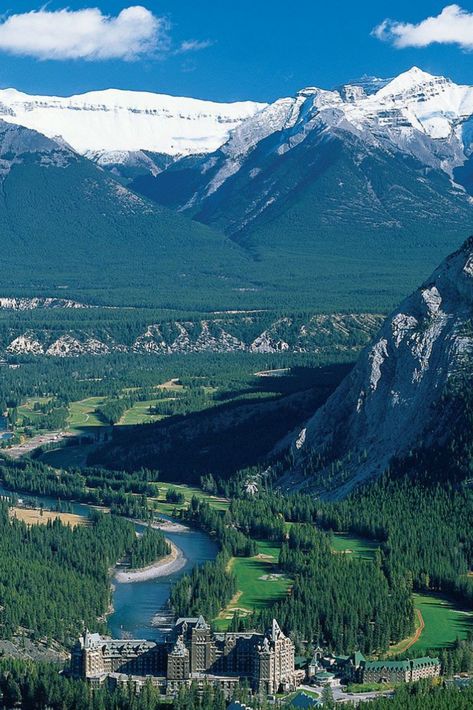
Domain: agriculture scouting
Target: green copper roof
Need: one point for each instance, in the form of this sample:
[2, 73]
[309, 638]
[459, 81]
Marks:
[388, 665]
[358, 658]
[425, 661]
[401, 665]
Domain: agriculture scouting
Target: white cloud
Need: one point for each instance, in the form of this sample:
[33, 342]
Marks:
[84, 34]
[452, 26]
[193, 45]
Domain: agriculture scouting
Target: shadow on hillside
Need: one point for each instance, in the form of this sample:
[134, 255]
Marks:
[226, 438]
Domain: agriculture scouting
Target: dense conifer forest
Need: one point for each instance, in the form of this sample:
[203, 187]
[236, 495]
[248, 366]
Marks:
[96, 486]
[55, 580]
[420, 513]
[322, 606]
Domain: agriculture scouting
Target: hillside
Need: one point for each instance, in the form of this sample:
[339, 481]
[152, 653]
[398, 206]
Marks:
[44, 329]
[404, 391]
[68, 230]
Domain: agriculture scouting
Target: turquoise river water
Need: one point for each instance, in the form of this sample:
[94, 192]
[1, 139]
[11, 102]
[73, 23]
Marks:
[136, 604]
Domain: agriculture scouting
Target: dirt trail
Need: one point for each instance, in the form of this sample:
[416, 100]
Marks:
[406, 644]
[419, 630]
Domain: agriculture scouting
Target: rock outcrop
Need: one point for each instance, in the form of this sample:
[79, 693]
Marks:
[391, 401]
[228, 333]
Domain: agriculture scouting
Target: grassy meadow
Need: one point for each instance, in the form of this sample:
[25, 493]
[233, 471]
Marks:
[188, 492]
[344, 543]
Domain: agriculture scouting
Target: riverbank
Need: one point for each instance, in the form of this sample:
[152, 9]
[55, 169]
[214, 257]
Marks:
[161, 568]
[169, 526]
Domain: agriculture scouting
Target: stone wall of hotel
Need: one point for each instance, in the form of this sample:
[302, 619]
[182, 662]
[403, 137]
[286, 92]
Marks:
[266, 661]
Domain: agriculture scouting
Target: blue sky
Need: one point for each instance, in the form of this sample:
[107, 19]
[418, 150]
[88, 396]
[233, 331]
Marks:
[248, 49]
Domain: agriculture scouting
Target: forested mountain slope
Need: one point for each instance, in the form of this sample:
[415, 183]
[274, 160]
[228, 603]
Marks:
[68, 228]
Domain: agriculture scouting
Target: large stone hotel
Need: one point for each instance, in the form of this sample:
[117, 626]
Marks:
[193, 654]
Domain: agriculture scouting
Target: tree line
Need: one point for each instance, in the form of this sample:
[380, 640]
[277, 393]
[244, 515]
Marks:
[37, 686]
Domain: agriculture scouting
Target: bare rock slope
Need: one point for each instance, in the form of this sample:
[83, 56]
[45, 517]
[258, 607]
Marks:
[392, 399]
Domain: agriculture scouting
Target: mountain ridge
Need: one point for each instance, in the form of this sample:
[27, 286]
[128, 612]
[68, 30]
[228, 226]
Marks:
[417, 113]
[119, 120]
[314, 198]
[225, 333]
[66, 227]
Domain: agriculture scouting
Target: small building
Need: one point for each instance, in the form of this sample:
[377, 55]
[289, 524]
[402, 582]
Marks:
[407, 671]
[325, 678]
[315, 662]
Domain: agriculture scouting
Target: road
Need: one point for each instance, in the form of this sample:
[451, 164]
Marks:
[18, 450]
[340, 696]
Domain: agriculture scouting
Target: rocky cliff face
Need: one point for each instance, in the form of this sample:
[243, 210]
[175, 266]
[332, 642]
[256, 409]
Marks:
[32, 304]
[391, 401]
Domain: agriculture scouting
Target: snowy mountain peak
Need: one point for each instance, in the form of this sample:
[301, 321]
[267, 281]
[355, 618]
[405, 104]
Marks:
[411, 81]
[369, 84]
[309, 91]
[117, 127]
[128, 120]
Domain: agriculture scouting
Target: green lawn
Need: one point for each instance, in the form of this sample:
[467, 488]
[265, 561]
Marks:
[82, 413]
[26, 409]
[259, 583]
[188, 491]
[355, 546]
[444, 622]
[139, 414]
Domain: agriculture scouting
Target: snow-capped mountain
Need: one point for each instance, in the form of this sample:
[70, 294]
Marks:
[114, 120]
[359, 180]
[337, 199]
[392, 402]
[416, 113]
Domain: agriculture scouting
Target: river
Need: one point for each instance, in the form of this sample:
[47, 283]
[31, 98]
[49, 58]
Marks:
[135, 605]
